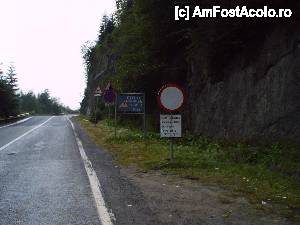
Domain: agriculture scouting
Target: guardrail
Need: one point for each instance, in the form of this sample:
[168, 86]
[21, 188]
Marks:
[12, 119]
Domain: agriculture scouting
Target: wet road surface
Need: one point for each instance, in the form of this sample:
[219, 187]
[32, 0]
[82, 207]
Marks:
[43, 178]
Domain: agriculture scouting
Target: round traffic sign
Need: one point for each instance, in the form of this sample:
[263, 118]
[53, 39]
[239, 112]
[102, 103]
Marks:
[171, 98]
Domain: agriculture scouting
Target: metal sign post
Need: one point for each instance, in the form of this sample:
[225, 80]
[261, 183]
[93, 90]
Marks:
[131, 103]
[116, 117]
[170, 127]
[97, 94]
[171, 150]
[96, 109]
[109, 112]
[109, 97]
[171, 99]
[109, 106]
[171, 141]
[145, 131]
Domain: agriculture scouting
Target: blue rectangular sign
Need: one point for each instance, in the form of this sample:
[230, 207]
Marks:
[131, 103]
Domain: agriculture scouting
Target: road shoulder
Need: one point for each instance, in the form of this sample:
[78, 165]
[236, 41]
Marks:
[15, 123]
[175, 200]
[124, 199]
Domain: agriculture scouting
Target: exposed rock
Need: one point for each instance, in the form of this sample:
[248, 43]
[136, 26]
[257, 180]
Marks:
[256, 99]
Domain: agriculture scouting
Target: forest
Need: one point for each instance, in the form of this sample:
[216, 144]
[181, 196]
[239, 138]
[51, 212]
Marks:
[13, 101]
[240, 74]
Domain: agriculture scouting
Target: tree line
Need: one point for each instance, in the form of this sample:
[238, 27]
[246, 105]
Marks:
[139, 48]
[13, 101]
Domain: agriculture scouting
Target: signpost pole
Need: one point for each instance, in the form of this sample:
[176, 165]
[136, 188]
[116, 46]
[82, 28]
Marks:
[116, 102]
[171, 143]
[171, 150]
[145, 132]
[171, 98]
[97, 94]
[109, 111]
[95, 111]
[96, 107]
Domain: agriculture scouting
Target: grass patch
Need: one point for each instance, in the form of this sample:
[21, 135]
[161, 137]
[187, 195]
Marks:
[264, 173]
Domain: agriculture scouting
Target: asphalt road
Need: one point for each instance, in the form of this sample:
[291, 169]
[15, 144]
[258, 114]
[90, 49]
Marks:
[43, 178]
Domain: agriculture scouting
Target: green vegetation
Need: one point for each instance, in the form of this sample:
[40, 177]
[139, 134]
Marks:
[43, 103]
[14, 101]
[133, 50]
[140, 47]
[266, 174]
[8, 93]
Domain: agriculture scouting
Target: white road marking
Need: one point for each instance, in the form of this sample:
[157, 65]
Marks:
[103, 213]
[23, 135]
[21, 121]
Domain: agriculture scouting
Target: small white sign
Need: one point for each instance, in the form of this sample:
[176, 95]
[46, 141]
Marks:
[170, 126]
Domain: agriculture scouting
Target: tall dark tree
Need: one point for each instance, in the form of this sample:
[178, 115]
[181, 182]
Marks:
[13, 96]
[12, 102]
[44, 102]
[4, 98]
[12, 78]
[107, 26]
[28, 102]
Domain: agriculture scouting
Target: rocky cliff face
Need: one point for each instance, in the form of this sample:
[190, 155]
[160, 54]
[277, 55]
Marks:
[257, 97]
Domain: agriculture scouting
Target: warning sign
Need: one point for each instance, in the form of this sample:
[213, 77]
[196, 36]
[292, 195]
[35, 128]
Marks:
[98, 92]
[170, 126]
[132, 103]
[109, 94]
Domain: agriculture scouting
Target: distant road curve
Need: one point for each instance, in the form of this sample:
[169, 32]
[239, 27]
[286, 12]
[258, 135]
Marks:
[18, 122]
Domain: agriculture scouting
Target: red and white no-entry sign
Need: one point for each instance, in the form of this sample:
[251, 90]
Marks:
[171, 98]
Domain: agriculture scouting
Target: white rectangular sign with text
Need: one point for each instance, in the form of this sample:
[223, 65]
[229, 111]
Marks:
[170, 126]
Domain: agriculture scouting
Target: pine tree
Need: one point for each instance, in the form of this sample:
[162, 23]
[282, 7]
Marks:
[28, 102]
[12, 78]
[1, 73]
[4, 97]
[13, 97]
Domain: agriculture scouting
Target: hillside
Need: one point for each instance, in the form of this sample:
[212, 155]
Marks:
[241, 74]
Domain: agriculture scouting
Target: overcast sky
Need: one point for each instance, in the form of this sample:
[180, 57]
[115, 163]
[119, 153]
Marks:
[44, 37]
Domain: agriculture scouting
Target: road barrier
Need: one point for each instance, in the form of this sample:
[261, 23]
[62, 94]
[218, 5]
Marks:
[13, 119]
